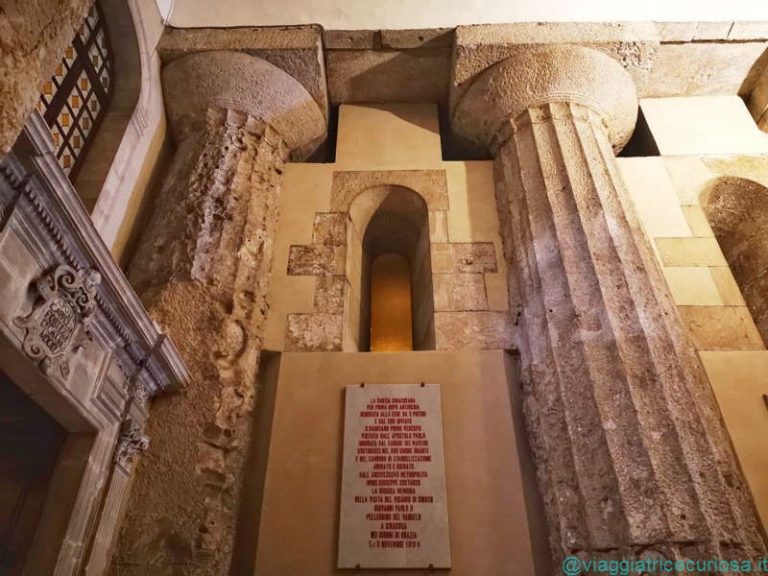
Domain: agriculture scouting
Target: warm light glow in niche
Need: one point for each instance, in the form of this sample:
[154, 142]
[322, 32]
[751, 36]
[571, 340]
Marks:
[391, 329]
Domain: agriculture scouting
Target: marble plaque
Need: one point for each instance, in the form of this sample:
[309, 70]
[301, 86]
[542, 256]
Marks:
[394, 511]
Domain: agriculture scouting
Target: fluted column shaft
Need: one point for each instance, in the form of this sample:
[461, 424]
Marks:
[202, 267]
[632, 457]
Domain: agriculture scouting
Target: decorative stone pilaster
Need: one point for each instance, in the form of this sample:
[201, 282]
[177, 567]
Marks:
[632, 457]
[202, 267]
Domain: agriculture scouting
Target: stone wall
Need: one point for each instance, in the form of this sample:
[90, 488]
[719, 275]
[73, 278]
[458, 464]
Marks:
[33, 36]
[202, 269]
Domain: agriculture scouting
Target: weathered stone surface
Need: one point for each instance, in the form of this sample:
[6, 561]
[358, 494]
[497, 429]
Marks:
[475, 331]
[330, 228]
[295, 49]
[329, 294]
[316, 260]
[463, 257]
[417, 38]
[431, 185]
[33, 37]
[703, 68]
[247, 84]
[350, 39]
[314, 332]
[438, 226]
[604, 352]
[459, 292]
[632, 44]
[536, 76]
[416, 75]
[202, 268]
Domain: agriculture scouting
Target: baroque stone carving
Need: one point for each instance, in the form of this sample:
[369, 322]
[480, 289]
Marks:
[58, 324]
[130, 442]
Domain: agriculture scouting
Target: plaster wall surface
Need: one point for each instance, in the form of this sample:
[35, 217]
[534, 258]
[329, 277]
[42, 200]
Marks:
[432, 13]
[701, 140]
[494, 517]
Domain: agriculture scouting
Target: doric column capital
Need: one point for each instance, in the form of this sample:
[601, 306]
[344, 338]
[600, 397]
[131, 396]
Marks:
[243, 83]
[543, 75]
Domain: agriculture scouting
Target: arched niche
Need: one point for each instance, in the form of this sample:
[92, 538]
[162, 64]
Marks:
[386, 221]
[737, 210]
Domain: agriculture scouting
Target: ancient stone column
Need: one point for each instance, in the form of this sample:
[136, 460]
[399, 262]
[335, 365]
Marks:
[202, 268]
[632, 458]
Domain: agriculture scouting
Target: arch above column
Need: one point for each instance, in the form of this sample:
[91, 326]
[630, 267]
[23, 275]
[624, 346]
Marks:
[245, 83]
[543, 75]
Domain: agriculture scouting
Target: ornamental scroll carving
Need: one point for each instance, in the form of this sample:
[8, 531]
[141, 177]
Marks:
[130, 442]
[60, 319]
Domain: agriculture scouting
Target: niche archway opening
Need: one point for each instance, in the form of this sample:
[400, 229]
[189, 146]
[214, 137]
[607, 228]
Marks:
[389, 272]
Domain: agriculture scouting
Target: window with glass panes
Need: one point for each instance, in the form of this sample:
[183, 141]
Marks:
[76, 97]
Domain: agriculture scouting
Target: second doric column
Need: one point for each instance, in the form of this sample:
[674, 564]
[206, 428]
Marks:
[202, 267]
[632, 457]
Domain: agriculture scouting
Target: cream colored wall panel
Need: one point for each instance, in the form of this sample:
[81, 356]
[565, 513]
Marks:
[727, 287]
[690, 252]
[689, 176]
[703, 125]
[654, 196]
[693, 286]
[472, 199]
[739, 380]
[697, 221]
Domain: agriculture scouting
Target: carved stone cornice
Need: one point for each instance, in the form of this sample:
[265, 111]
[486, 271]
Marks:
[543, 75]
[243, 83]
[39, 202]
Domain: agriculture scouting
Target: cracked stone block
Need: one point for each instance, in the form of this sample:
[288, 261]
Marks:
[329, 294]
[316, 260]
[314, 333]
[459, 292]
[330, 229]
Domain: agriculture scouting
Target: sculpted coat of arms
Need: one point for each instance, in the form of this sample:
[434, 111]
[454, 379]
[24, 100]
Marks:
[59, 321]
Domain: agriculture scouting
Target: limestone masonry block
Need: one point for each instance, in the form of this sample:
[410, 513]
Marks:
[314, 332]
[349, 39]
[464, 257]
[429, 184]
[438, 226]
[316, 260]
[475, 330]
[697, 221]
[330, 229]
[721, 327]
[690, 252]
[459, 292]
[474, 257]
[727, 287]
[693, 286]
[329, 294]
